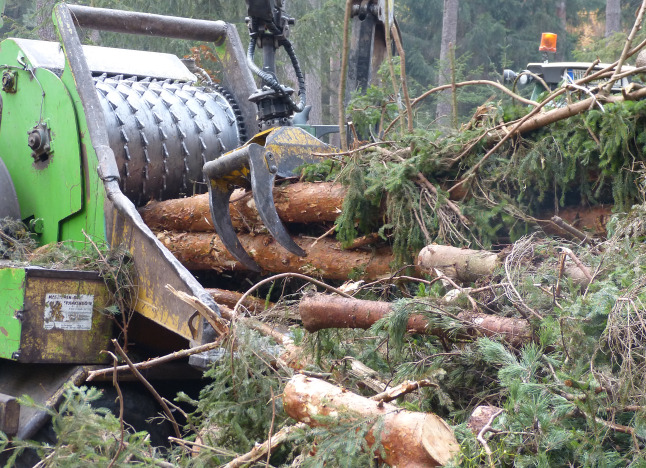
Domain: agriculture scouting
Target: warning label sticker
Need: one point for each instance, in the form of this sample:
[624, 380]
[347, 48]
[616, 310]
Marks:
[68, 311]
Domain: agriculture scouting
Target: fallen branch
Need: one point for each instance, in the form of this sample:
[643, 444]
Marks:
[156, 361]
[205, 311]
[483, 432]
[402, 389]
[260, 451]
[480, 418]
[571, 229]
[364, 374]
[437, 89]
[639, 16]
[452, 206]
[590, 221]
[149, 387]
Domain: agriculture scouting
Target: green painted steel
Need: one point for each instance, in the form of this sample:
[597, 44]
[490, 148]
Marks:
[64, 191]
[12, 297]
[92, 219]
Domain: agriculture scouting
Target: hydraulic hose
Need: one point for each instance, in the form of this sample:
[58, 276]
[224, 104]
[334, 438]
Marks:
[269, 78]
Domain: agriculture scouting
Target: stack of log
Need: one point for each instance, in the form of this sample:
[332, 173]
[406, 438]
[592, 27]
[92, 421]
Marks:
[184, 227]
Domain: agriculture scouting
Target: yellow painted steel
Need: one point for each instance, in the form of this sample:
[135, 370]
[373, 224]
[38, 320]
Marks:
[45, 344]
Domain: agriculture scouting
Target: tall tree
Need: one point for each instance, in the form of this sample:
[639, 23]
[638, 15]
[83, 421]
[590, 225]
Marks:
[561, 14]
[449, 37]
[613, 17]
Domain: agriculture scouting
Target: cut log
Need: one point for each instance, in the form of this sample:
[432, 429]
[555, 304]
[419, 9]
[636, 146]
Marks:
[231, 298]
[409, 439]
[326, 259]
[467, 266]
[463, 265]
[321, 311]
[296, 203]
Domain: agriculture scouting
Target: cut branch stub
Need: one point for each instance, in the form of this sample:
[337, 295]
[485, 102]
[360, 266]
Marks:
[409, 439]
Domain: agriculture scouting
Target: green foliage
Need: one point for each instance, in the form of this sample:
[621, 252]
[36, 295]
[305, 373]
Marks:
[237, 407]
[591, 157]
[86, 434]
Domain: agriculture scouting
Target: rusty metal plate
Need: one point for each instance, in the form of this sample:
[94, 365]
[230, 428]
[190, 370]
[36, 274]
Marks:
[62, 321]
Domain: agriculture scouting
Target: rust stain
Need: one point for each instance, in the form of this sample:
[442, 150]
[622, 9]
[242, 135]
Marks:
[4, 331]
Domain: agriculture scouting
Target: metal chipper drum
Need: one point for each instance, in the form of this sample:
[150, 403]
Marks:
[160, 126]
[162, 133]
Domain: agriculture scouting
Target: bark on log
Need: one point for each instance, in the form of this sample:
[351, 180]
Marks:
[296, 203]
[591, 220]
[231, 298]
[321, 311]
[326, 259]
[464, 265]
[409, 439]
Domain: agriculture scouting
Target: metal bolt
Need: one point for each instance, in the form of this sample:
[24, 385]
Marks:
[37, 225]
[16, 355]
[34, 139]
[8, 82]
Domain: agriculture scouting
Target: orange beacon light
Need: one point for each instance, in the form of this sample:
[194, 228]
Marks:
[548, 42]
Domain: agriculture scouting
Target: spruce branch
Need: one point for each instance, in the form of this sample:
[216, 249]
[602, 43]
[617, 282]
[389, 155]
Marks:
[624, 53]
[149, 387]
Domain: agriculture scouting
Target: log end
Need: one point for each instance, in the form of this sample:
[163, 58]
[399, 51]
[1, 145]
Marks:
[438, 440]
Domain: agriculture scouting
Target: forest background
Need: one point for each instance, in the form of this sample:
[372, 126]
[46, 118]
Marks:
[546, 424]
[486, 37]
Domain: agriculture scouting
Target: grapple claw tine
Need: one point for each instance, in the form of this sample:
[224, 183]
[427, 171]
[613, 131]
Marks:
[221, 217]
[263, 173]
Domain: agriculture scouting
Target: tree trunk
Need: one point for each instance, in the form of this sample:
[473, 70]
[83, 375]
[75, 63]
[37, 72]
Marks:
[409, 439]
[321, 311]
[561, 9]
[295, 203]
[44, 17]
[445, 109]
[325, 259]
[613, 17]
